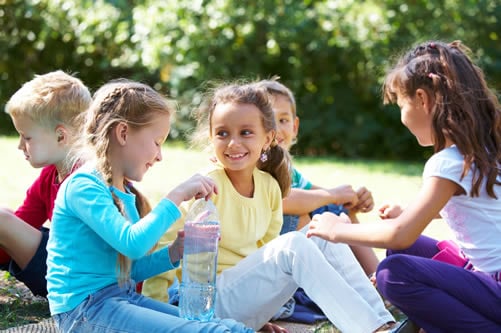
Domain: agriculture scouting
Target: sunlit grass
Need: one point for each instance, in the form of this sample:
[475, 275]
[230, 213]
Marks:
[388, 181]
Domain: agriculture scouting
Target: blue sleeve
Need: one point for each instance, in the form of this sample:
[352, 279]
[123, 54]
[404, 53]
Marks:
[91, 201]
[156, 263]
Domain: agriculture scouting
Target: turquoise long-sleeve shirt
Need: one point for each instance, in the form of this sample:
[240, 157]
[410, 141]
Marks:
[88, 232]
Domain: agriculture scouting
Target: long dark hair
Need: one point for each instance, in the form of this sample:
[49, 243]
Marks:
[466, 111]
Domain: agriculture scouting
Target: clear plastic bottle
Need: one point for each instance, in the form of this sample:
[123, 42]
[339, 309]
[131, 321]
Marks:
[197, 290]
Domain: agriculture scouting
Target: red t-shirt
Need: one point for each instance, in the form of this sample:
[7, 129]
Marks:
[39, 202]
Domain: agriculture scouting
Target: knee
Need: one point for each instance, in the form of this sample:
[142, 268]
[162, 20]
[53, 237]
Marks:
[390, 267]
[5, 212]
[295, 238]
[391, 274]
[6, 215]
[290, 248]
[294, 242]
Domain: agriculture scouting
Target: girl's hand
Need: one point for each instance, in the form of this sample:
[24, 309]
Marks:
[344, 195]
[365, 201]
[176, 249]
[390, 211]
[324, 225]
[197, 187]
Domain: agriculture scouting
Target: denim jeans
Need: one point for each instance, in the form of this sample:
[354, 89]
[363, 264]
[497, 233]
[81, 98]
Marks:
[121, 309]
[335, 209]
[291, 221]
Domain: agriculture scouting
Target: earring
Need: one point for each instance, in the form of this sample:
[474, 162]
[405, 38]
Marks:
[264, 157]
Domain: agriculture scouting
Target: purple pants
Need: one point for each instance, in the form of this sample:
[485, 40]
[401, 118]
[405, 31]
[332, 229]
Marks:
[437, 296]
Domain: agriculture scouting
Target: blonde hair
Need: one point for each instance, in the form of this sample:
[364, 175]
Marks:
[119, 101]
[51, 99]
[278, 162]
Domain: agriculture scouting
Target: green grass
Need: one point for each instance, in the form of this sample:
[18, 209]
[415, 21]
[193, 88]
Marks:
[388, 181]
[396, 182]
[17, 306]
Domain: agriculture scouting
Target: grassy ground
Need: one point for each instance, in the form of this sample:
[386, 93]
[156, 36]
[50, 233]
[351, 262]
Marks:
[389, 182]
[17, 305]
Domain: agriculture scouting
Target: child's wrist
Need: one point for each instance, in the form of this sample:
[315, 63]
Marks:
[174, 254]
[176, 198]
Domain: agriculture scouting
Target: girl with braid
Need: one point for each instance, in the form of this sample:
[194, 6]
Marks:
[103, 229]
[441, 286]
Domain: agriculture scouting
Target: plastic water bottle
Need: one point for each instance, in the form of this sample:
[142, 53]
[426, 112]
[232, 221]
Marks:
[197, 291]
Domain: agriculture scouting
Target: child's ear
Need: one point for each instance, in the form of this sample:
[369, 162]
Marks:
[425, 100]
[61, 134]
[296, 126]
[269, 139]
[120, 131]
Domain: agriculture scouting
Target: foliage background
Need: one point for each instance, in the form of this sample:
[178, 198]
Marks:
[331, 53]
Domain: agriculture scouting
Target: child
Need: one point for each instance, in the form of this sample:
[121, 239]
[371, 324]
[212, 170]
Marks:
[259, 271]
[103, 227]
[44, 112]
[305, 198]
[445, 103]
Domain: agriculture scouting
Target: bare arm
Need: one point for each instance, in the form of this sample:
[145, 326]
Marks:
[300, 202]
[389, 211]
[396, 233]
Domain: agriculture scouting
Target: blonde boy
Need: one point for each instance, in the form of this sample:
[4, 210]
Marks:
[45, 113]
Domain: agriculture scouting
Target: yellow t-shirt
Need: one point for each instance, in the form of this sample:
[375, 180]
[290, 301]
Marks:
[246, 224]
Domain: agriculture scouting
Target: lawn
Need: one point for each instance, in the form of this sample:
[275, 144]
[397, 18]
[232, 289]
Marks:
[388, 181]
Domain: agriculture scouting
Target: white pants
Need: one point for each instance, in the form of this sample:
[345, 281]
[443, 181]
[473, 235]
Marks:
[255, 289]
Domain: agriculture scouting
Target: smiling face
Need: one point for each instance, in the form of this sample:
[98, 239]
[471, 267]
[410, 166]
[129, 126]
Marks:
[40, 145]
[135, 150]
[287, 122]
[238, 136]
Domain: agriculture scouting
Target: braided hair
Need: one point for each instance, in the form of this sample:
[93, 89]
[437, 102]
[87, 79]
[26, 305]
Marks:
[118, 101]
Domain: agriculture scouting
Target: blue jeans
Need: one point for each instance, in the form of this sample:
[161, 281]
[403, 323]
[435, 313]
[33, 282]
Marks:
[336, 209]
[121, 309]
[291, 221]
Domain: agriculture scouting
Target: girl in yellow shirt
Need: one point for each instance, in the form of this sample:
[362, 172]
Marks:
[258, 269]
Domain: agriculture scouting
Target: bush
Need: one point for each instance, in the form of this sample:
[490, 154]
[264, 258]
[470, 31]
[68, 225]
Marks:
[332, 54]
